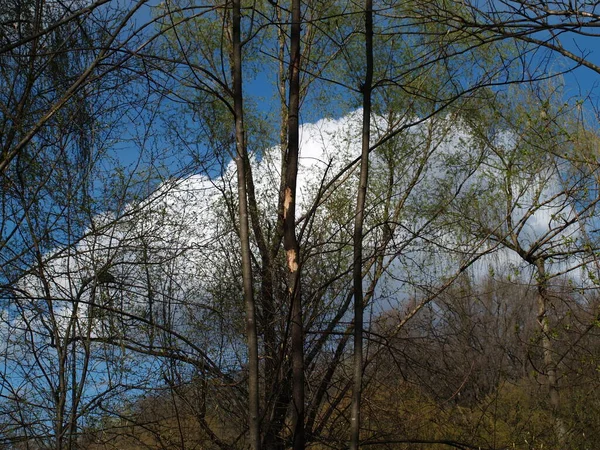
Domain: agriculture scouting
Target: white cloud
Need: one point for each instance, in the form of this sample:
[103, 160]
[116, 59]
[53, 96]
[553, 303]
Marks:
[181, 244]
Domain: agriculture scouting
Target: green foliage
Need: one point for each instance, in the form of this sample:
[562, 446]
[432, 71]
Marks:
[122, 309]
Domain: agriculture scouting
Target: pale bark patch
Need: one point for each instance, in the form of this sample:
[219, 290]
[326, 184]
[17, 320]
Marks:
[291, 260]
[287, 201]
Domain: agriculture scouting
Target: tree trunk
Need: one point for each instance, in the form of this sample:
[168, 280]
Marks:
[358, 230]
[242, 166]
[548, 351]
[290, 241]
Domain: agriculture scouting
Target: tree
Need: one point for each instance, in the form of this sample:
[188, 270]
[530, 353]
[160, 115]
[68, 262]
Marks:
[266, 231]
[38, 41]
[357, 270]
[539, 25]
[242, 165]
[59, 116]
[539, 211]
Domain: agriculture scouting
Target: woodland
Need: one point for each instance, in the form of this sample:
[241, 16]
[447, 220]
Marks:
[303, 224]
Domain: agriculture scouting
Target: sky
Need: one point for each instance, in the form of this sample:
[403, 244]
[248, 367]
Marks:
[189, 228]
[583, 80]
[191, 204]
[579, 82]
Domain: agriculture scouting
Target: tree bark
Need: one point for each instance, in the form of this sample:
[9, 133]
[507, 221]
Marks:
[242, 166]
[358, 231]
[548, 351]
[290, 240]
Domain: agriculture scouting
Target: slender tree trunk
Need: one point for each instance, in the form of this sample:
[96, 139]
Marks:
[290, 240]
[358, 230]
[277, 398]
[242, 166]
[548, 351]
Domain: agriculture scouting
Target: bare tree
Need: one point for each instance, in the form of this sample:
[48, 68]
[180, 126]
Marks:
[540, 215]
[562, 27]
[280, 240]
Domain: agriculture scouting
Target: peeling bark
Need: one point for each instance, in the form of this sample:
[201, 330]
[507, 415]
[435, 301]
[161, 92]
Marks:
[290, 240]
[292, 262]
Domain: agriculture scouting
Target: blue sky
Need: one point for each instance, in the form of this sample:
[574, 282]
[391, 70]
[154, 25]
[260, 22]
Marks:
[580, 82]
